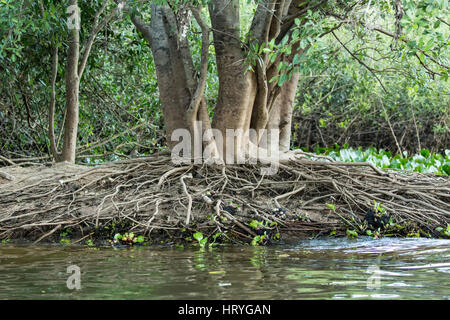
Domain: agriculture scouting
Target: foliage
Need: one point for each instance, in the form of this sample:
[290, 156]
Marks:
[444, 231]
[119, 103]
[128, 238]
[200, 239]
[401, 90]
[425, 162]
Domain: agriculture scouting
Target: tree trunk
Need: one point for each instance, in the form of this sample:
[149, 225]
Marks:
[280, 118]
[51, 111]
[74, 73]
[237, 87]
[72, 89]
[176, 74]
[246, 100]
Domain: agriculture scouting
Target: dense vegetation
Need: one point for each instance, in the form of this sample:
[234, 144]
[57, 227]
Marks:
[356, 87]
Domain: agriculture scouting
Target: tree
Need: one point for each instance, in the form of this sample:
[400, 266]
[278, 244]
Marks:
[74, 72]
[257, 60]
[257, 70]
[247, 99]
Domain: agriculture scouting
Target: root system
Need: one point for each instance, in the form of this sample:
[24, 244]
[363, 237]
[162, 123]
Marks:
[151, 196]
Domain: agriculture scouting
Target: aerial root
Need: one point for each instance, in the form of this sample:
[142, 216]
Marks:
[304, 197]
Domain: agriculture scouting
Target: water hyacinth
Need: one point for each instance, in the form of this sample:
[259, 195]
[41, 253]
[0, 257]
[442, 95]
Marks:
[425, 161]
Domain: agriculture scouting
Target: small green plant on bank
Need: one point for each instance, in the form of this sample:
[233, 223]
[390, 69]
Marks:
[413, 234]
[352, 234]
[65, 233]
[200, 239]
[270, 232]
[254, 224]
[128, 238]
[215, 236]
[258, 240]
[444, 232]
[5, 241]
[379, 210]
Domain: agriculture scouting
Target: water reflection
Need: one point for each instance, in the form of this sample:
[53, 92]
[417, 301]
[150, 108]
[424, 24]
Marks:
[316, 269]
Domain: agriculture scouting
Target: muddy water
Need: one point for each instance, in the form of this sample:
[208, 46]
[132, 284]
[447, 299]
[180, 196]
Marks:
[316, 269]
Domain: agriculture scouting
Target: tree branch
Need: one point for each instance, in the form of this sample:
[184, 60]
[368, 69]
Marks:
[360, 61]
[389, 34]
[199, 91]
[95, 30]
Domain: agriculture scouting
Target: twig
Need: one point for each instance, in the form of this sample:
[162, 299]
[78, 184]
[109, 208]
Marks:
[48, 234]
[81, 239]
[282, 196]
[6, 176]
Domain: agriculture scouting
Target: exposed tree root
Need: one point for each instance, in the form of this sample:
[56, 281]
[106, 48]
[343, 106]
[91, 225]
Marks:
[151, 195]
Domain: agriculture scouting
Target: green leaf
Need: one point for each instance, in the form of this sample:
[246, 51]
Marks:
[351, 233]
[425, 153]
[254, 224]
[198, 236]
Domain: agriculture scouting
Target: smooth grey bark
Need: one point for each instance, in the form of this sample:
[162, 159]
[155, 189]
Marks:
[181, 93]
[237, 87]
[74, 73]
[246, 99]
[72, 94]
[51, 111]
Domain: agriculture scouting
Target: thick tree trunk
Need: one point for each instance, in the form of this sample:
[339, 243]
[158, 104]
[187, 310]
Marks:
[237, 88]
[280, 118]
[246, 100]
[180, 93]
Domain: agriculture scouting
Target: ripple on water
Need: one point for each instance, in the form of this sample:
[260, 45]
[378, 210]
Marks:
[313, 269]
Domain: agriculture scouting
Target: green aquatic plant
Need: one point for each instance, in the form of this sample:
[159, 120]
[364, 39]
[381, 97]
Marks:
[127, 239]
[214, 237]
[444, 232]
[66, 232]
[413, 234]
[258, 240]
[254, 224]
[352, 234]
[64, 241]
[424, 161]
[200, 239]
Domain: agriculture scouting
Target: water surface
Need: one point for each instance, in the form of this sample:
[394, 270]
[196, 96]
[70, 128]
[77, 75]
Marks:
[314, 269]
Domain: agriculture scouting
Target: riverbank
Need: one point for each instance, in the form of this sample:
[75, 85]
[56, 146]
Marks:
[159, 202]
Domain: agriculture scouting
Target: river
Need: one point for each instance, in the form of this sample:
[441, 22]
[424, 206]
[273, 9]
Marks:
[309, 269]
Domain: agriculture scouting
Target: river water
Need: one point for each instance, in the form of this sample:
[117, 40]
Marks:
[313, 269]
